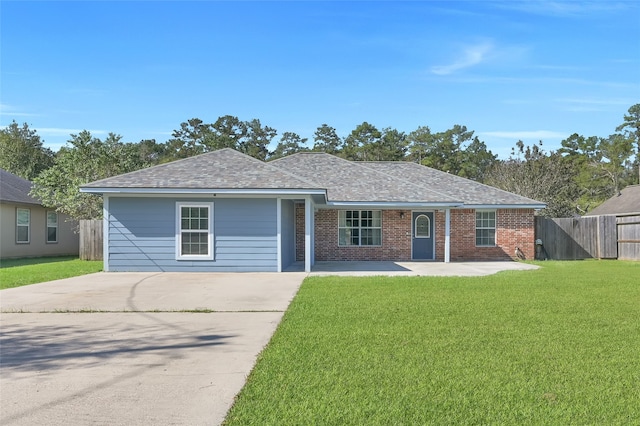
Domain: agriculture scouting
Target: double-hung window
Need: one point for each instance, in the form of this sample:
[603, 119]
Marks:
[52, 227]
[359, 227]
[485, 228]
[23, 226]
[194, 231]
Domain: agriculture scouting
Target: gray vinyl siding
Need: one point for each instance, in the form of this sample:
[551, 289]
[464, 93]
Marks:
[287, 229]
[142, 235]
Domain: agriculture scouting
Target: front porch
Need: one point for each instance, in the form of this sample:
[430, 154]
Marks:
[397, 239]
[387, 268]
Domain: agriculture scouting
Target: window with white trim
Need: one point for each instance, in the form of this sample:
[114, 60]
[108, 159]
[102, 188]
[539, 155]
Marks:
[52, 227]
[194, 231]
[359, 227]
[485, 228]
[23, 226]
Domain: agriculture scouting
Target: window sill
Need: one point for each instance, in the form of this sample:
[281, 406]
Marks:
[191, 258]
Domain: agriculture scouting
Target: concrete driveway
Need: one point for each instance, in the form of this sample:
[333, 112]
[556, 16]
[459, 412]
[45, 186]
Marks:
[134, 348]
[152, 348]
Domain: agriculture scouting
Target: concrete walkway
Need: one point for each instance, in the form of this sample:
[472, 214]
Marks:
[468, 269]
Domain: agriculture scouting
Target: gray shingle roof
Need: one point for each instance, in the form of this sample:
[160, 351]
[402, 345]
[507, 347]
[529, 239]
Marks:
[343, 180]
[627, 202]
[469, 191]
[14, 189]
[355, 182]
[222, 169]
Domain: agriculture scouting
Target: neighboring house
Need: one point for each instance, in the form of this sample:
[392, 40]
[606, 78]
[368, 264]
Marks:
[225, 211]
[626, 203]
[27, 229]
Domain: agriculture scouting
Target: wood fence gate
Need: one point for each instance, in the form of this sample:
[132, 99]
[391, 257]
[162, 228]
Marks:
[91, 239]
[628, 237]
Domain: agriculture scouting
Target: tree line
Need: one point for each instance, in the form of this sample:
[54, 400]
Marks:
[572, 180]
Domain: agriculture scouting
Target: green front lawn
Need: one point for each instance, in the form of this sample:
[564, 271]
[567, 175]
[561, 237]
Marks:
[19, 272]
[560, 345]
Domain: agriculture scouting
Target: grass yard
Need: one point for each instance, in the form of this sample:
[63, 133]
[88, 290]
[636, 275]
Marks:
[19, 272]
[560, 345]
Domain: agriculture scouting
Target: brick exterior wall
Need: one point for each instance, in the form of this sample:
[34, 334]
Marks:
[514, 228]
[396, 238]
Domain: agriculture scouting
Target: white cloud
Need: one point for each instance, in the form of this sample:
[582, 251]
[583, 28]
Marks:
[563, 8]
[11, 111]
[470, 56]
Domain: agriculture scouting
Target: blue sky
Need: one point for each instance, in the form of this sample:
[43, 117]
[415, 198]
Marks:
[509, 70]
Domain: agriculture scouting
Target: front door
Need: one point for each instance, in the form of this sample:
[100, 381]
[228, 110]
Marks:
[422, 235]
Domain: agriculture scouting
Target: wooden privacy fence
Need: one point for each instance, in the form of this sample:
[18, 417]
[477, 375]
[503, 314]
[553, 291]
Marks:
[91, 239]
[577, 238]
[598, 237]
[628, 237]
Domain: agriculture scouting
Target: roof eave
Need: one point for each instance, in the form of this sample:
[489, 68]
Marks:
[30, 203]
[187, 191]
[539, 206]
[395, 204]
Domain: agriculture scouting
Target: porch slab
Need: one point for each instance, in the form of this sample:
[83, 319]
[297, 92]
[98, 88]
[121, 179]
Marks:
[468, 269]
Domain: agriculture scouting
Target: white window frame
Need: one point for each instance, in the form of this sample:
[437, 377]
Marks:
[27, 225]
[481, 228]
[360, 228]
[180, 231]
[51, 225]
[415, 226]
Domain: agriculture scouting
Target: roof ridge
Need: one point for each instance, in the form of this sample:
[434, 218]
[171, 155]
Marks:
[409, 182]
[300, 178]
[314, 153]
[268, 163]
[388, 175]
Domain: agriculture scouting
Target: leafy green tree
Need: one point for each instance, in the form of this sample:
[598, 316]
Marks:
[228, 131]
[445, 152]
[326, 140]
[603, 166]
[392, 146]
[476, 160]
[83, 160]
[289, 144]
[22, 152]
[616, 151]
[256, 143]
[362, 143]
[150, 152]
[583, 154]
[190, 139]
[454, 151]
[534, 173]
[420, 142]
[631, 127]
